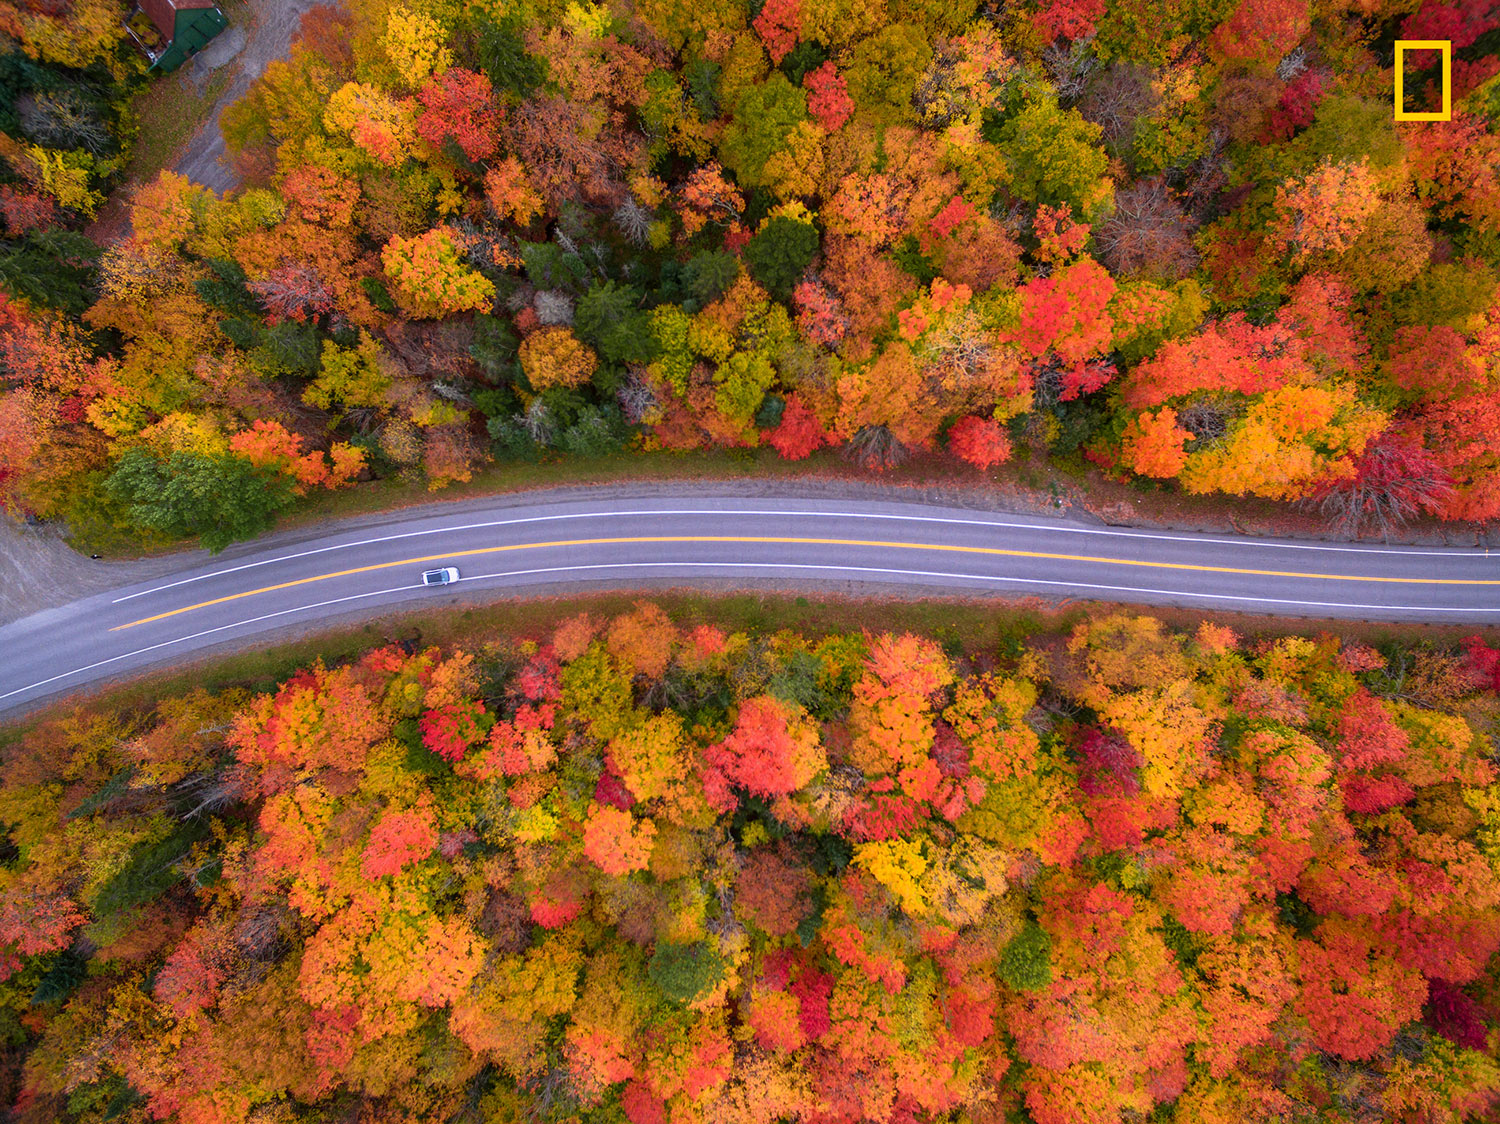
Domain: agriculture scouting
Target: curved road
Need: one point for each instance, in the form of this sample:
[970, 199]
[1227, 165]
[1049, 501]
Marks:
[507, 545]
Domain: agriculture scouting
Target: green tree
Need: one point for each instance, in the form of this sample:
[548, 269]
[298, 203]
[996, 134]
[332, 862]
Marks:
[742, 384]
[348, 377]
[685, 971]
[1026, 963]
[502, 55]
[495, 347]
[764, 117]
[708, 274]
[1055, 157]
[54, 268]
[609, 318]
[221, 499]
[599, 430]
[779, 253]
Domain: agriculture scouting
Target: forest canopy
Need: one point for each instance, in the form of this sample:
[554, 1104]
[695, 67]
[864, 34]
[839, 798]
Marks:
[640, 869]
[1185, 243]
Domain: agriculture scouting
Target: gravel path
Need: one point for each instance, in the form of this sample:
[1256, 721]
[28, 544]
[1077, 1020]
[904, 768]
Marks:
[248, 49]
[39, 570]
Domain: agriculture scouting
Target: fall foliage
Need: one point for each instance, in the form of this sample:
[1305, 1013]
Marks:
[693, 874]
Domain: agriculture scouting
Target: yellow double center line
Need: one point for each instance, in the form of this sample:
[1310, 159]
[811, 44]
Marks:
[638, 539]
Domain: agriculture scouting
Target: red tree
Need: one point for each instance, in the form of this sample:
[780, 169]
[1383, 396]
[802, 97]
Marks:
[1462, 437]
[1394, 480]
[773, 750]
[1354, 995]
[1261, 29]
[459, 105]
[979, 441]
[1435, 361]
[1066, 313]
[1232, 354]
[398, 840]
[820, 313]
[1483, 660]
[799, 434]
[828, 97]
[450, 729]
[778, 25]
[1069, 19]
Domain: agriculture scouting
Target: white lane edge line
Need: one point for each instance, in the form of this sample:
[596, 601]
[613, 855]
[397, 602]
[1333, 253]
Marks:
[1454, 552]
[998, 579]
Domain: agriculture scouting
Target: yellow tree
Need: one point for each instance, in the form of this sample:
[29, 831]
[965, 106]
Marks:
[383, 127]
[430, 278]
[414, 45]
[1286, 442]
[556, 357]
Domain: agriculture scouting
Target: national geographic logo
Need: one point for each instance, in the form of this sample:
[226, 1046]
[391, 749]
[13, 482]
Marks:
[1446, 47]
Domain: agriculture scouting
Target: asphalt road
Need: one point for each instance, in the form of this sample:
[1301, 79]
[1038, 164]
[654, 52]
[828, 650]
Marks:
[507, 546]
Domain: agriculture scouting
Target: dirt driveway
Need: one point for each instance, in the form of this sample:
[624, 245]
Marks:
[39, 570]
[247, 46]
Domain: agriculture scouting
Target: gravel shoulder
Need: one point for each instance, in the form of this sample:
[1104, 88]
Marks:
[39, 570]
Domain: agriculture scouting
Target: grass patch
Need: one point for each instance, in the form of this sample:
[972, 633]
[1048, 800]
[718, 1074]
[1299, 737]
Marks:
[170, 110]
[384, 495]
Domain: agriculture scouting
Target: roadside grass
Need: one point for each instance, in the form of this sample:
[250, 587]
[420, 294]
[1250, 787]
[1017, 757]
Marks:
[517, 476]
[963, 626]
[1021, 484]
[94, 529]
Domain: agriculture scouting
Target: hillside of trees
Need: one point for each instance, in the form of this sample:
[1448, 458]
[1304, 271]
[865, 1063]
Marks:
[1184, 242]
[639, 871]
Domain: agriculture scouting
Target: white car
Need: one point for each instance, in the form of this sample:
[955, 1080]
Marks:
[446, 576]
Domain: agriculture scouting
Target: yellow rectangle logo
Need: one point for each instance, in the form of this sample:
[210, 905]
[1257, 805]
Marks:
[1446, 47]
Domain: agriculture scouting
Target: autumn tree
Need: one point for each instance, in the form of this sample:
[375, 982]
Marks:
[1054, 159]
[979, 442]
[1229, 355]
[431, 278]
[556, 357]
[269, 445]
[828, 99]
[1324, 212]
[1153, 443]
[458, 106]
[1260, 31]
[1219, 843]
[1393, 481]
[382, 127]
[772, 751]
[1354, 995]
[798, 433]
[1459, 436]
[777, 25]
